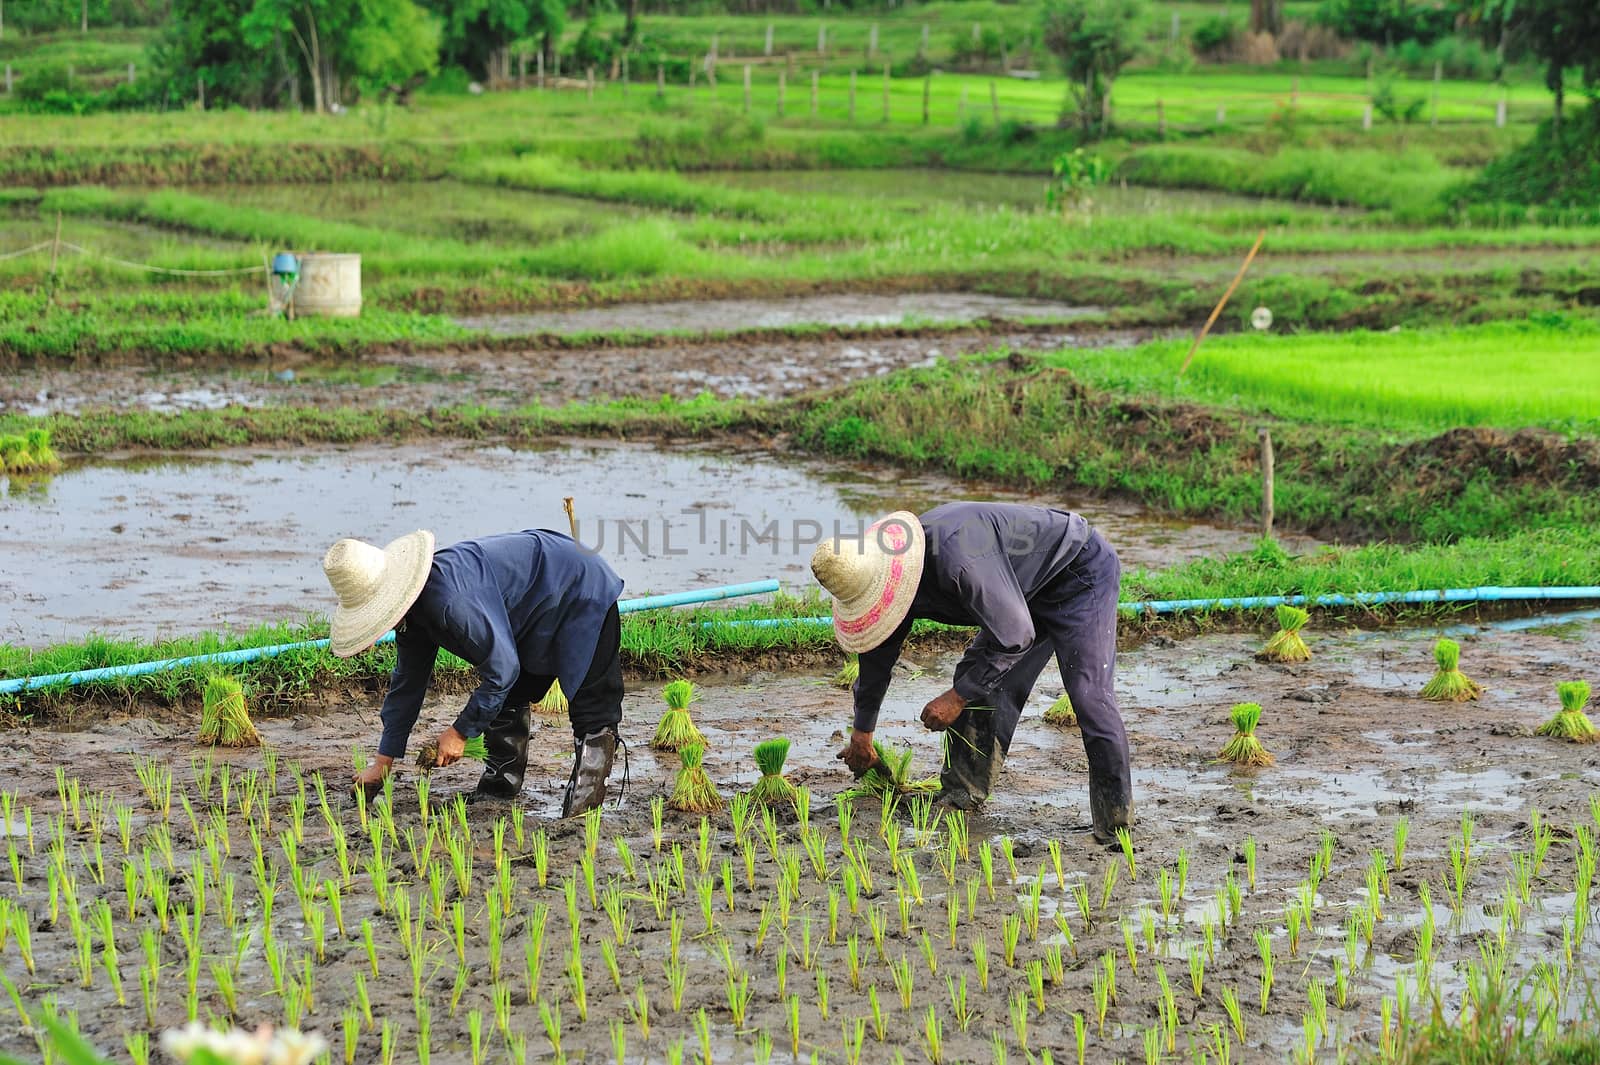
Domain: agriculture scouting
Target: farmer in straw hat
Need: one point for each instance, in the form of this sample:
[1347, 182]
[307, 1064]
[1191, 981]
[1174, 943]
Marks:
[525, 609]
[1036, 582]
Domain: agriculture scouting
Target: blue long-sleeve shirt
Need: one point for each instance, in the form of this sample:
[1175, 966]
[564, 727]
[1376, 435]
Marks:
[529, 601]
[984, 562]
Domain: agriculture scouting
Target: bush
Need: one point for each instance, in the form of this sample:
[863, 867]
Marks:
[1215, 37]
[1558, 170]
[1387, 22]
[593, 48]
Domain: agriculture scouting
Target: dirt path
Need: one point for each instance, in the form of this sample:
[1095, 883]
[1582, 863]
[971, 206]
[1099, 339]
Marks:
[1356, 751]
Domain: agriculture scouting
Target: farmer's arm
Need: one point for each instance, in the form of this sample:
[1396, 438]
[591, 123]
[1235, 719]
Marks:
[415, 654]
[481, 627]
[877, 665]
[989, 590]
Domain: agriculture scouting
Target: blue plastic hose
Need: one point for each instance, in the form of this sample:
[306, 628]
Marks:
[1260, 602]
[251, 654]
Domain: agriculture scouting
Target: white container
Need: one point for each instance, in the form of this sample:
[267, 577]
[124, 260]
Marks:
[329, 286]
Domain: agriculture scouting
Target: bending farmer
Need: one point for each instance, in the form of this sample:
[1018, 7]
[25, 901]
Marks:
[1036, 582]
[525, 609]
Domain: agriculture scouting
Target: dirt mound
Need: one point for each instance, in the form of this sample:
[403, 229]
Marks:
[1526, 456]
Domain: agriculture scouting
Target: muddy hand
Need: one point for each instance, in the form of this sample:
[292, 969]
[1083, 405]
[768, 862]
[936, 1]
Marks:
[943, 711]
[858, 753]
[370, 780]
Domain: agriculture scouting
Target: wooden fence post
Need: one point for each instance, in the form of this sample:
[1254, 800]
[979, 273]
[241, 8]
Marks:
[852, 96]
[538, 62]
[1499, 105]
[661, 79]
[961, 108]
[8, 77]
[872, 42]
[1266, 483]
[130, 74]
[1222, 114]
[923, 49]
[1294, 94]
[747, 88]
[822, 38]
[768, 49]
[994, 102]
[814, 80]
[927, 90]
[200, 86]
[886, 92]
[1438, 72]
[782, 84]
[624, 73]
[1161, 119]
[589, 76]
[1366, 118]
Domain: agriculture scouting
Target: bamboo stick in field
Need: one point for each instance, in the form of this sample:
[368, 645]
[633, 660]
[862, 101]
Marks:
[1223, 302]
[1266, 483]
[782, 84]
[815, 77]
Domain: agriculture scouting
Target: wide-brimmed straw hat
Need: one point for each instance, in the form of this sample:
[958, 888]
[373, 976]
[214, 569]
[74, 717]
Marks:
[872, 581]
[375, 586]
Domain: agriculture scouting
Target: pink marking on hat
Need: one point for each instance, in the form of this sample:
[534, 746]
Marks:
[870, 618]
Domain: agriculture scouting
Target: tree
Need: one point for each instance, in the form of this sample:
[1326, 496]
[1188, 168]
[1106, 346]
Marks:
[1266, 16]
[1559, 33]
[373, 42]
[478, 33]
[204, 40]
[1094, 39]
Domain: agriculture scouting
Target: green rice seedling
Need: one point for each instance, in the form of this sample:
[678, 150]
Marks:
[1571, 723]
[1293, 916]
[1011, 933]
[933, 1036]
[138, 1047]
[808, 956]
[1147, 922]
[1250, 861]
[1055, 965]
[1264, 947]
[959, 1007]
[1128, 946]
[929, 955]
[794, 1026]
[848, 674]
[980, 961]
[677, 730]
[608, 954]
[1543, 834]
[780, 969]
[639, 1009]
[1008, 851]
[1230, 1005]
[693, 791]
[905, 905]
[1061, 713]
[854, 1035]
[1125, 841]
[1101, 988]
[1035, 974]
[1164, 888]
[1066, 933]
[903, 981]
[1287, 645]
[1017, 1006]
[822, 992]
[550, 1017]
[1449, 684]
[474, 1038]
[1244, 749]
[1108, 884]
[1402, 829]
[42, 455]
[1080, 895]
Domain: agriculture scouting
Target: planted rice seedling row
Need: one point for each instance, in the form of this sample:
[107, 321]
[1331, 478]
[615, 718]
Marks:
[876, 925]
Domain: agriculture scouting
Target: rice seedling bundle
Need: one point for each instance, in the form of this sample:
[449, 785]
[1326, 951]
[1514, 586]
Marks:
[1287, 645]
[224, 720]
[773, 787]
[1244, 748]
[1061, 712]
[14, 455]
[554, 701]
[849, 673]
[428, 756]
[1571, 723]
[40, 451]
[676, 730]
[1449, 684]
[693, 791]
[891, 776]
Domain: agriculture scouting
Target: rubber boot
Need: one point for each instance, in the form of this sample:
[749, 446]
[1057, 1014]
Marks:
[591, 767]
[973, 762]
[1109, 808]
[506, 740]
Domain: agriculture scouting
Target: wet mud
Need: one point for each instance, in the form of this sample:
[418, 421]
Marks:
[148, 546]
[506, 378]
[1356, 750]
[832, 309]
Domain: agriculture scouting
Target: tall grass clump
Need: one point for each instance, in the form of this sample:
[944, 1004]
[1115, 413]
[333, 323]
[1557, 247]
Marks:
[677, 730]
[1287, 645]
[224, 720]
[1449, 684]
[1570, 723]
[1244, 748]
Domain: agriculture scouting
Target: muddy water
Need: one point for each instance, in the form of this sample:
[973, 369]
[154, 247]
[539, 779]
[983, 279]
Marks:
[183, 543]
[844, 309]
[515, 378]
[1349, 715]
